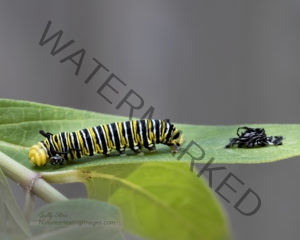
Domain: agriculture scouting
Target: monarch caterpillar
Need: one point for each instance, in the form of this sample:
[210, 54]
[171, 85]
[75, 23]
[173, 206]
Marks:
[252, 137]
[57, 148]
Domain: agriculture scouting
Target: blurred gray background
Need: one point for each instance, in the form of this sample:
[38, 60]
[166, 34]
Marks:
[200, 62]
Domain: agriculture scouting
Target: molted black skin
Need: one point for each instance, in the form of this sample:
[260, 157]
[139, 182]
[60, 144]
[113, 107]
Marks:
[252, 137]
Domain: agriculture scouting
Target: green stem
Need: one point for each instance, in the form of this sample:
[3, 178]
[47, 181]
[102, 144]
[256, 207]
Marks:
[29, 180]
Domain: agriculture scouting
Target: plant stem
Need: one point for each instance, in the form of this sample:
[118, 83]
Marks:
[29, 180]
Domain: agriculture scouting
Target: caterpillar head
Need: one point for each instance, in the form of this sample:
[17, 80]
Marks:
[176, 140]
[38, 155]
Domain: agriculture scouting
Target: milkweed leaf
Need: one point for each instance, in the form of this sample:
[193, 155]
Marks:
[21, 121]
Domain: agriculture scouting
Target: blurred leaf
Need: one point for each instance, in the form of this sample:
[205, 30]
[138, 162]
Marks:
[77, 219]
[158, 200]
[12, 222]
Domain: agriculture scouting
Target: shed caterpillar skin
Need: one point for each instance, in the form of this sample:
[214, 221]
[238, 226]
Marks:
[253, 137]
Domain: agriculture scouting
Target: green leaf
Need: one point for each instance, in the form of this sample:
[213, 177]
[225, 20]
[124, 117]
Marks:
[21, 121]
[77, 219]
[158, 200]
[12, 222]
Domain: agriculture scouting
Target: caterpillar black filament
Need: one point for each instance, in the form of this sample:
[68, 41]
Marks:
[57, 148]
